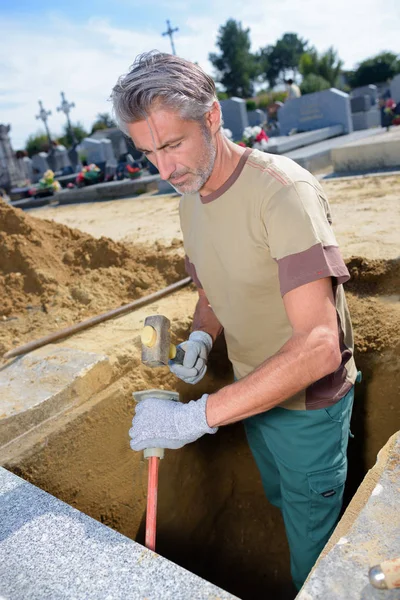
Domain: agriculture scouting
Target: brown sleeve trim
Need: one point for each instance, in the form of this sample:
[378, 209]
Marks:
[191, 271]
[310, 265]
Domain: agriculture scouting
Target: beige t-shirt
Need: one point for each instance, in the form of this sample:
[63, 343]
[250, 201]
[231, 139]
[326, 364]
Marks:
[266, 231]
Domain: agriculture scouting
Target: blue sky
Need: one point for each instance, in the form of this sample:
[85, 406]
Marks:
[82, 47]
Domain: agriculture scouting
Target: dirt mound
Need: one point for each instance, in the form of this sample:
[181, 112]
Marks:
[373, 277]
[52, 276]
[373, 295]
[45, 264]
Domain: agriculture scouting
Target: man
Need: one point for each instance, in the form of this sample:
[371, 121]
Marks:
[260, 247]
[292, 89]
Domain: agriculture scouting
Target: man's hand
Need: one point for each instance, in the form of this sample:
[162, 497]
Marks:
[168, 424]
[197, 349]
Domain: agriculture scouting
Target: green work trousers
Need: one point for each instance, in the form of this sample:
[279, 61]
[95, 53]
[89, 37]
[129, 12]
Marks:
[301, 455]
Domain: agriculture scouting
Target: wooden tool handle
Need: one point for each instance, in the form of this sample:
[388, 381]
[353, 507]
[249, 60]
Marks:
[386, 575]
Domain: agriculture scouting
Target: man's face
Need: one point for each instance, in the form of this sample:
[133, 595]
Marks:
[183, 151]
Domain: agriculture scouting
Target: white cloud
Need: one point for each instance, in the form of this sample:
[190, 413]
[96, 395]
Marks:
[84, 59]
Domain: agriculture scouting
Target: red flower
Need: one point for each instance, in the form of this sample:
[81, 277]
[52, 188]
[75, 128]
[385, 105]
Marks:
[241, 144]
[262, 136]
[132, 169]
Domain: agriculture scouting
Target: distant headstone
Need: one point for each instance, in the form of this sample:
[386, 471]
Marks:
[395, 88]
[366, 119]
[60, 158]
[109, 152]
[235, 116]
[93, 150]
[360, 104]
[118, 139]
[11, 174]
[26, 167]
[366, 90]
[316, 111]
[40, 165]
[74, 158]
[256, 117]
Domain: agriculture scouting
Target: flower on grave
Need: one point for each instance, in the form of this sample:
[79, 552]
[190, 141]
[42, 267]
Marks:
[89, 174]
[46, 185]
[255, 137]
[227, 133]
[242, 144]
[133, 172]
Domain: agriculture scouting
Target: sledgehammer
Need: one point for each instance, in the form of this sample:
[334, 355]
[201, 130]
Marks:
[157, 349]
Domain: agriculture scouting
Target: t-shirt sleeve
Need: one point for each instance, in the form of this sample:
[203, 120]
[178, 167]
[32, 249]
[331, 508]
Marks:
[300, 237]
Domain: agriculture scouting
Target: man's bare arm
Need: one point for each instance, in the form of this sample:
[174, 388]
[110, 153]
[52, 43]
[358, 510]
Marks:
[204, 317]
[312, 352]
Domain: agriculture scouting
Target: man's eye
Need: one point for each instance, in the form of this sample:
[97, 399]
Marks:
[176, 146]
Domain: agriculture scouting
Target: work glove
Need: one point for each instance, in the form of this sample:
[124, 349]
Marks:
[168, 424]
[197, 349]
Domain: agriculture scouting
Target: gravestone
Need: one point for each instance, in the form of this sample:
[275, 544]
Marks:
[395, 88]
[118, 139]
[366, 119]
[360, 104]
[11, 174]
[109, 152]
[316, 111]
[40, 165]
[26, 167]
[93, 151]
[235, 117]
[366, 90]
[60, 158]
[256, 117]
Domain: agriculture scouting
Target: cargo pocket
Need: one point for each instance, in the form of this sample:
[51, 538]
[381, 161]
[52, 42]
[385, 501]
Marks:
[326, 496]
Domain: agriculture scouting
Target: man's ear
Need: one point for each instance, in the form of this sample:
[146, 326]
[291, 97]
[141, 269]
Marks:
[213, 118]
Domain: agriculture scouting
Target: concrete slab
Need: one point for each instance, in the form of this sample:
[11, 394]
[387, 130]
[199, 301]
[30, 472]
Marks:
[381, 151]
[318, 156]
[107, 191]
[285, 143]
[368, 534]
[39, 385]
[51, 550]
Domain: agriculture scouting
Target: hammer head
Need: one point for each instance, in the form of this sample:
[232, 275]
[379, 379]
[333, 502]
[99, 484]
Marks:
[156, 341]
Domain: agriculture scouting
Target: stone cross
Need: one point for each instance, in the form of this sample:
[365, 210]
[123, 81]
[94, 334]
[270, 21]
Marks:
[171, 32]
[66, 109]
[43, 116]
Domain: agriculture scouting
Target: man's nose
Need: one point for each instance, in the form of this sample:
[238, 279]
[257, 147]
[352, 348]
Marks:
[165, 165]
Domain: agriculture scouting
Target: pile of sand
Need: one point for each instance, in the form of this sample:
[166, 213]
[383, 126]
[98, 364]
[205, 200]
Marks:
[51, 275]
[373, 295]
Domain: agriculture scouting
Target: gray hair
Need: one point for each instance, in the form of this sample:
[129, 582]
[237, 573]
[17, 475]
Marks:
[157, 78]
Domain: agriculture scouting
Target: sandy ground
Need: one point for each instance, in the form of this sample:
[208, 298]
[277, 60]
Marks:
[366, 214]
[213, 517]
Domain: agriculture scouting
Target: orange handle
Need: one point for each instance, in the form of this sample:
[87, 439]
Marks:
[151, 514]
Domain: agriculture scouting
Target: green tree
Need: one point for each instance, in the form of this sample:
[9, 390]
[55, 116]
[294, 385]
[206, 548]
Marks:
[37, 142]
[376, 69]
[275, 61]
[103, 121]
[235, 64]
[313, 83]
[66, 138]
[326, 66]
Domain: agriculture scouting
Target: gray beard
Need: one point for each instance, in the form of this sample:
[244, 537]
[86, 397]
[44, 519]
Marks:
[199, 178]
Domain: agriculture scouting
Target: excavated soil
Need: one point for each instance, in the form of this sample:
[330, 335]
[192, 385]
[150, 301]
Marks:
[52, 276]
[213, 516]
